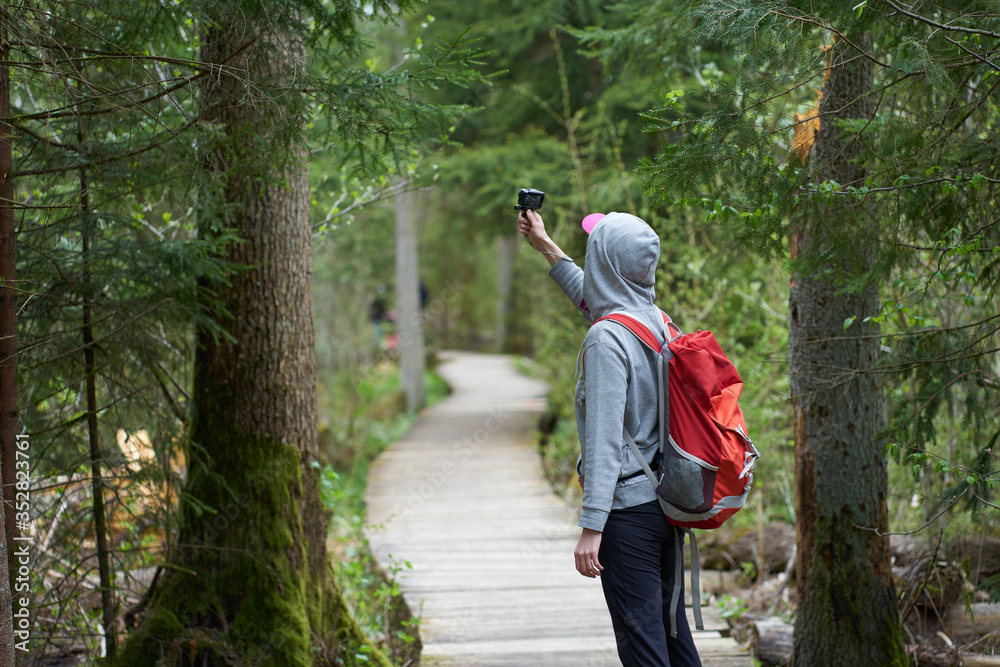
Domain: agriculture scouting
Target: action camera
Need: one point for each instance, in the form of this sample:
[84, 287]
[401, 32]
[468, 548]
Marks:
[529, 200]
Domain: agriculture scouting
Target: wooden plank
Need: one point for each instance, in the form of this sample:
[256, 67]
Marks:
[555, 652]
[463, 499]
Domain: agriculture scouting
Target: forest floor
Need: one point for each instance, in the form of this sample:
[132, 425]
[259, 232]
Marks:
[482, 548]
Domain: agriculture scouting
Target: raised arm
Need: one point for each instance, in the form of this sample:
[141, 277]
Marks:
[564, 271]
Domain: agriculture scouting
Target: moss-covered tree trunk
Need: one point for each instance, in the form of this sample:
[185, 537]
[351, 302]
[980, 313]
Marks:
[847, 607]
[249, 581]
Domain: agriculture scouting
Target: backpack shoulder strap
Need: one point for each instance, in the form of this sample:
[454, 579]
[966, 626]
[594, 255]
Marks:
[640, 330]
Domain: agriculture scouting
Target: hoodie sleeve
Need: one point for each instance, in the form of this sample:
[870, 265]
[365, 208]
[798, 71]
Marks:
[606, 378]
[569, 277]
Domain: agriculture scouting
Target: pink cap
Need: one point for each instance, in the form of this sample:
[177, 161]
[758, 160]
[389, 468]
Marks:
[591, 220]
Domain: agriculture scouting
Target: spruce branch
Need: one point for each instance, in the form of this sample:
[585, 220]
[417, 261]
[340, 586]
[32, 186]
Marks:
[73, 110]
[163, 139]
[941, 26]
[975, 55]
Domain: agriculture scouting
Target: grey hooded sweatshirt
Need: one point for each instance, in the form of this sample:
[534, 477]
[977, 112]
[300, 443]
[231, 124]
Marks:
[616, 386]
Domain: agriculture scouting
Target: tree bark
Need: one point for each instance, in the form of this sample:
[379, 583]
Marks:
[250, 581]
[8, 359]
[847, 606]
[409, 321]
[94, 436]
[8, 302]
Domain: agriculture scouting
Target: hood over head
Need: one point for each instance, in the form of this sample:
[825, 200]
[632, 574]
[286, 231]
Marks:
[620, 266]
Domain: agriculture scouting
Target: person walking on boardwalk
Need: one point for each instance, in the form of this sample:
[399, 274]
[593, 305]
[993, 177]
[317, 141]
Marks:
[626, 539]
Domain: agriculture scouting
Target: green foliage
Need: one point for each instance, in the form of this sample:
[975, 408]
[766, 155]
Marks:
[738, 152]
[549, 94]
[377, 118]
[992, 586]
[731, 608]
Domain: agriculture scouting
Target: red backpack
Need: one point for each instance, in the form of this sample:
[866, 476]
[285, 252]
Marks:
[706, 470]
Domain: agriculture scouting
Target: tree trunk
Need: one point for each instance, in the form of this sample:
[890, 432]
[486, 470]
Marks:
[250, 581]
[506, 254]
[409, 321]
[847, 607]
[8, 360]
[8, 305]
[94, 436]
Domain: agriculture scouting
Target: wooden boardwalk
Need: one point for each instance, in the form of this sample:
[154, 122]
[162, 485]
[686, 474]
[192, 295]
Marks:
[463, 499]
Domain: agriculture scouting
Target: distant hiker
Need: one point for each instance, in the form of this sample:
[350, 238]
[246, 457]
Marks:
[377, 312]
[626, 539]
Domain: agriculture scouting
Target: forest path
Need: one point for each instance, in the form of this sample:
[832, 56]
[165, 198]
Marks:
[463, 499]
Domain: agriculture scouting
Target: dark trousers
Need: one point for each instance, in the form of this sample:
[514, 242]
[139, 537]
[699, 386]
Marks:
[638, 552]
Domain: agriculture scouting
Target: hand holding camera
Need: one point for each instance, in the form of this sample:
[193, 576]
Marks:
[529, 223]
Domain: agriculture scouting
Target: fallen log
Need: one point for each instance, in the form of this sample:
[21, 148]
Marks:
[964, 629]
[771, 641]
